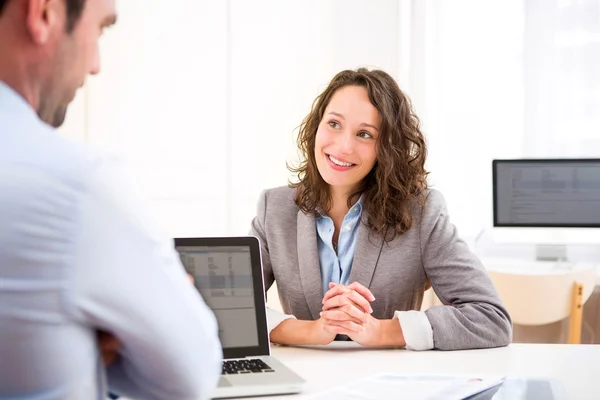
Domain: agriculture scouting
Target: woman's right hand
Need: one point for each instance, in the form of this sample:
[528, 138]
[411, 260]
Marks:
[301, 332]
[320, 335]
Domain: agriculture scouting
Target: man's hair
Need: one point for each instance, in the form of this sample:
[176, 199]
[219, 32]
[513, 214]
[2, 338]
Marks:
[74, 11]
[397, 180]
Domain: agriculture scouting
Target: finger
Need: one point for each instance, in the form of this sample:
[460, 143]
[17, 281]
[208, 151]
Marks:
[348, 326]
[338, 330]
[359, 300]
[332, 329]
[112, 344]
[339, 315]
[108, 341]
[109, 346]
[366, 293]
[354, 311]
[353, 296]
[336, 301]
[108, 357]
[335, 290]
[191, 278]
[343, 303]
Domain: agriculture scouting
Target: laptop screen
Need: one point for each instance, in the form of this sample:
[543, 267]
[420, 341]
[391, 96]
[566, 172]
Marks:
[224, 275]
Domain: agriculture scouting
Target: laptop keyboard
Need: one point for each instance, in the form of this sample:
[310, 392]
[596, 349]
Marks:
[244, 367]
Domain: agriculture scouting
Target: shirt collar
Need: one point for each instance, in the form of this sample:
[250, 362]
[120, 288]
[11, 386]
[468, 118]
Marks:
[356, 208]
[358, 205]
[13, 101]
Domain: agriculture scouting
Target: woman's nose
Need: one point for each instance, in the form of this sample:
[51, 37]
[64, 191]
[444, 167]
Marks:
[346, 143]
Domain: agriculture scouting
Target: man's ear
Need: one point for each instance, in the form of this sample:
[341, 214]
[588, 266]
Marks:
[43, 17]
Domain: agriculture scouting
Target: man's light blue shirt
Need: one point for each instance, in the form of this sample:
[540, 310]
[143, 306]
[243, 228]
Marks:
[336, 267]
[78, 254]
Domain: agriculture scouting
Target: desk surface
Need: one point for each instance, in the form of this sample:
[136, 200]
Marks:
[575, 366]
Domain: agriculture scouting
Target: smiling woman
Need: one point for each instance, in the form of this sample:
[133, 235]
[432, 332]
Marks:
[374, 124]
[356, 241]
[347, 144]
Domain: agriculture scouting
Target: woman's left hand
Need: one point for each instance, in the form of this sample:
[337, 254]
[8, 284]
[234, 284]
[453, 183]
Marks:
[346, 311]
[368, 333]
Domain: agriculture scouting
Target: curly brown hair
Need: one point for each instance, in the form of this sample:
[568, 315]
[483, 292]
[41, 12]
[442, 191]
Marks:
[398, 177]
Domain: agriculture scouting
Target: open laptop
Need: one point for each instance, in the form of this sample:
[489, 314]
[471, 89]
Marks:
[228, 273]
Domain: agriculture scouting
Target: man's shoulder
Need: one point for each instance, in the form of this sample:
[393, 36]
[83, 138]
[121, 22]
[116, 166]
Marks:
[66, 154]
[35, 147]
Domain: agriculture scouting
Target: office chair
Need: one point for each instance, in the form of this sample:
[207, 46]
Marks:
[430, 299]
[540, 298]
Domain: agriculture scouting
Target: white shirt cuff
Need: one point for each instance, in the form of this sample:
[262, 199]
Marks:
[275, 317]
[416, 328]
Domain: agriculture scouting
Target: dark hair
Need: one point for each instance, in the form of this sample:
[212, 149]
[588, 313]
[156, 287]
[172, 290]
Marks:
[74, 11]
[398, 177]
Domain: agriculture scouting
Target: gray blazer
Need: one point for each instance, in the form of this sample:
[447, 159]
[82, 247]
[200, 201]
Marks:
[398, 272]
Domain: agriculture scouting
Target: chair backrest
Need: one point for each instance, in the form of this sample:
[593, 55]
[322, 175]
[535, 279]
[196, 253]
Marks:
[533, 298]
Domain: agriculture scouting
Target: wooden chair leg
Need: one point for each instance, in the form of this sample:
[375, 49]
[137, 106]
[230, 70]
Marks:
[576, 317]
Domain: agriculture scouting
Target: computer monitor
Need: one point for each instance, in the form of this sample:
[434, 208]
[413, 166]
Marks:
[560, 197]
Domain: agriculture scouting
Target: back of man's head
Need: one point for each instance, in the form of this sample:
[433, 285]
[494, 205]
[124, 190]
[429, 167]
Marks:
[48, 48]
[74, 11]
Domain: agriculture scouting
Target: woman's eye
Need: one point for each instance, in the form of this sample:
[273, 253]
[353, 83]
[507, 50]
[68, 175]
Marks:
[334, 124]
[365, 135]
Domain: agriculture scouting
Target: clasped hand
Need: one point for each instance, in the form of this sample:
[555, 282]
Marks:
[347, 310]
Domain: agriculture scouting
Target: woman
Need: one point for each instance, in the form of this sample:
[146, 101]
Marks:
[357, 240]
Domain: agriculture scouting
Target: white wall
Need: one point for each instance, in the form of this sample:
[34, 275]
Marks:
[160, 104]
[283, 54]
[202, 98]
[469, 95]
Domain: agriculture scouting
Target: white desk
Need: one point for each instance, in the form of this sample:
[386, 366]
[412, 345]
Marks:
[575, 366]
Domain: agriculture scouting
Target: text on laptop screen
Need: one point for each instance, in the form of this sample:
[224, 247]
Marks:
[223, 275]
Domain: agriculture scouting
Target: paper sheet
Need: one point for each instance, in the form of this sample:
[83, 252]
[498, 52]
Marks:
[414, 387]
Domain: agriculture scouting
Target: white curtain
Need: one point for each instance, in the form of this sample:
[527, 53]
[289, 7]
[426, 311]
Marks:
[465, 79]
[562, 78]
[202, 98]
[500, 79]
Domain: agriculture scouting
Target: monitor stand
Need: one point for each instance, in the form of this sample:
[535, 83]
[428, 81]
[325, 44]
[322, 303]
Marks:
[551, 252]
[550, 244]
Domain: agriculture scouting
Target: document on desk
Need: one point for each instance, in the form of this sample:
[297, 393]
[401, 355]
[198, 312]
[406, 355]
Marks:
[414, 387]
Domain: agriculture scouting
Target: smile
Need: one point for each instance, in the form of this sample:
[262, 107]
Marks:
[338, 162]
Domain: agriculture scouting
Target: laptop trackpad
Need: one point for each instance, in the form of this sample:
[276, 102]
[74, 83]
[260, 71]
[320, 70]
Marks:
[223, 382]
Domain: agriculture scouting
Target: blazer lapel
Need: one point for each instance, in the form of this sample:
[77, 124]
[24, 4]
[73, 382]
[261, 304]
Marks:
[308, 262]
[366, 256]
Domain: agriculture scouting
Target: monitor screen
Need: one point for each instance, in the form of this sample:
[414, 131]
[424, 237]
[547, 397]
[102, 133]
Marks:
[546, 193]
[223, 275]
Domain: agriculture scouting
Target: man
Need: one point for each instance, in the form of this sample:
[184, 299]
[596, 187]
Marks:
[77, 257]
